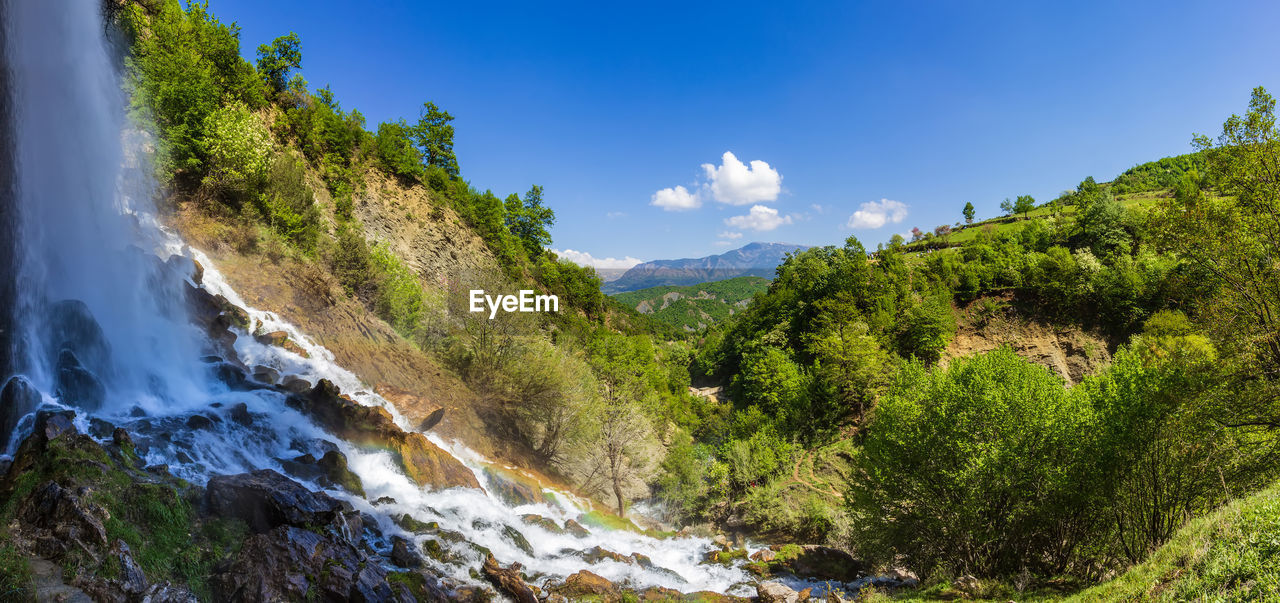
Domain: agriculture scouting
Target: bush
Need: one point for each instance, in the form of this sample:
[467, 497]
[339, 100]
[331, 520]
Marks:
[239, 148]
[288, 204]
[977, 468]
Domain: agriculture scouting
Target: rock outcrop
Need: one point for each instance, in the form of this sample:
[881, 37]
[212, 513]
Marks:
[369, 426]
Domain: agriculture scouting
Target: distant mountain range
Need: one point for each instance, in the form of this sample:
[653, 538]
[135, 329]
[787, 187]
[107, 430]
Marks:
[755, 259]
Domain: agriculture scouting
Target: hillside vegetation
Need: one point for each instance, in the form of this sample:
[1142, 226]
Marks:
[841, 425]
[693, 308]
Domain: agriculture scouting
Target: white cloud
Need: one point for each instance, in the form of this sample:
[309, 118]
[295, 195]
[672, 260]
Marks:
[735, 183]
[729, 234]
[616, 214]
[583, 258]
[874, 214]
[675, 199]
[759, 218]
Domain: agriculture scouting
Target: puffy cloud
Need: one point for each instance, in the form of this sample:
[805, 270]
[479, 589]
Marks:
[759, 218]
[729, 234]
[583, 258]
[874, 214]
[736, 183]
[676, 199]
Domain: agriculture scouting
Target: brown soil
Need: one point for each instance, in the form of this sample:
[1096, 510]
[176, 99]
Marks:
[1071, 351]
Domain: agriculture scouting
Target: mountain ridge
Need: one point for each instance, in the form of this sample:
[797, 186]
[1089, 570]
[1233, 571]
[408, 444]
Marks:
[753, 259]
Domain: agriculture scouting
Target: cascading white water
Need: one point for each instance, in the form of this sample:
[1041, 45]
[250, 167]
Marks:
[86, 231]
[77, 205]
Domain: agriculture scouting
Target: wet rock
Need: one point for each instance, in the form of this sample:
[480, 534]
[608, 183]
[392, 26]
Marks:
[76, 385]
[412, 403]
[290, 563]
[265, 374]
[240, 415]
[53, 424]
[122, 439]
[513, 488]
[402, 555]
[542, 522]
[295, 384]
[384, 500]
[575, 528]
[266, 499]
[587, 585]
[597, 554]
[100, 429]
[335, 468]
[280, 339]
[18, 399]
[514, 536]
[232, 376]
[71, 326]
[198, 422]
[423, 462]
[508, 580]
[776, 592]
[763, 555]
[410, 524]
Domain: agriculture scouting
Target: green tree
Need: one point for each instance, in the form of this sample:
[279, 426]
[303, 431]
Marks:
[1007, 206]
[528, 220]
[396, 151]
[968, 212]
[434, 135]
[1024, 204]
[277, 59]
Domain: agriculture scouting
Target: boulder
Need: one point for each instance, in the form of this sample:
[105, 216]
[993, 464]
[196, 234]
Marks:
[71, 326]
[71, 519]
[412, 404]
[294, 564]
[542, 522]
[18, 398]
[280, 339]
[132, 580]
[369, 426]
[241, 416]
[265, 374]
[265, 500]
[76, 385]
[513, 488]
[514, 536]
[819, 563]
[295, 384]
[508, 580]
[776, 592]
[575, 528]
[586, 585]
[404, 556]
[334, 465]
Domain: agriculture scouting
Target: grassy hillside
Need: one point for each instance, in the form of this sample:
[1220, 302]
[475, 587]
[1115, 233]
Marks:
[692, 308]
[1232, 554]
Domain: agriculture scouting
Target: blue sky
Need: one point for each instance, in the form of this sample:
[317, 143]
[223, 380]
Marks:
[869, 118]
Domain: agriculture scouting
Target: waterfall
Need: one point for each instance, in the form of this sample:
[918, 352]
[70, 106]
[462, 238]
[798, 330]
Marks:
[95, 319]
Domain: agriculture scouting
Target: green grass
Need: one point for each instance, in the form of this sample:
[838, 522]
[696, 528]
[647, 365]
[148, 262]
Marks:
[1232, 554]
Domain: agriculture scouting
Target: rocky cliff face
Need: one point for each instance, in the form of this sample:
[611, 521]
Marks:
[1070, 351]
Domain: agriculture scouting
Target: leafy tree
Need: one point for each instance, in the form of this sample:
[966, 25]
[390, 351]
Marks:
[1007, 207]
[434, 135]
[396, 151]
[528, 220]
[1023, 205]
[968, 212]
[276, 60]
